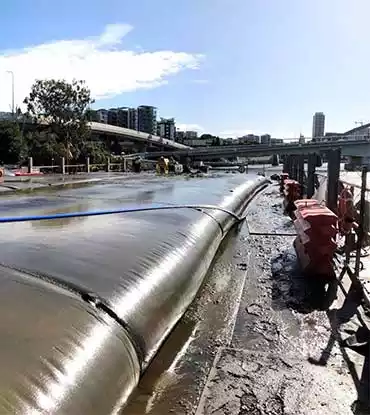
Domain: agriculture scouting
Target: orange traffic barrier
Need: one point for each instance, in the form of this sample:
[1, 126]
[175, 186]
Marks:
[2, 174]
[315, 244]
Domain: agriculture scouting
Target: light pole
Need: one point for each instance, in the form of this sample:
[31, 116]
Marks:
[12, 74]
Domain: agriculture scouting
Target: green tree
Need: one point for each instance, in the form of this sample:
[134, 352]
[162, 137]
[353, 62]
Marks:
[97, 152]
[13, 148]
[64, 108]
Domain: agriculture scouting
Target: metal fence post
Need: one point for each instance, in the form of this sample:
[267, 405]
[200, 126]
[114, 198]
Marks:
[333, 179]
[311, 175]
[30, 164]
[63, 165]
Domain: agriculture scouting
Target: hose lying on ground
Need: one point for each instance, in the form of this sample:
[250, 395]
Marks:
[12, 219]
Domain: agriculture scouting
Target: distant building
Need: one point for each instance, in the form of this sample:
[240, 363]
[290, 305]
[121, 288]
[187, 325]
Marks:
[186, 135]
[191, 135]
[318, 125]
[197, 142]
[102, 116]
[147, 119]
[133, 119]
[166, 128]
[249, 139]
[118, 117]
[266, 139]
[180, 136]
[276, 141]
[302, 139]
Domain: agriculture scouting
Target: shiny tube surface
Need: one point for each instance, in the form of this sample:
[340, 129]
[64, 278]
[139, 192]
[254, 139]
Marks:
[56, 352]
[95, 298]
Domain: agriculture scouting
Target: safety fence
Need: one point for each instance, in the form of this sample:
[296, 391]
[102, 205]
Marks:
[125, 164]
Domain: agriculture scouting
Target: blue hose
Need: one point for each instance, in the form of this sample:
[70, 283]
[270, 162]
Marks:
[11, 219]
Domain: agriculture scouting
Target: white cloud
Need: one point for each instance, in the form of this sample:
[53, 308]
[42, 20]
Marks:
[107, 68]
[189, 127]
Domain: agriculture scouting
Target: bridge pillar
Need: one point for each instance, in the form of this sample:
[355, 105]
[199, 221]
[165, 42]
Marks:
[288, 165]
[334, 157]
[294, 167]
[312, 159]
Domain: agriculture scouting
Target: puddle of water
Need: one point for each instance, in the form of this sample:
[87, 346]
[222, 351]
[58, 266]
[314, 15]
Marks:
[63, 222]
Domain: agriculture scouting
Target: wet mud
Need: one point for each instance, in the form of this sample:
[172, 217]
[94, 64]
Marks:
[268, 343]
[285, 356]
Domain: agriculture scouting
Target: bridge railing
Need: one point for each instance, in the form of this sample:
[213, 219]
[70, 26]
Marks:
[125, 165]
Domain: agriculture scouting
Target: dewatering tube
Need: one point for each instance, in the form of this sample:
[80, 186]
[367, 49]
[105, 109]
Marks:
[86, 307]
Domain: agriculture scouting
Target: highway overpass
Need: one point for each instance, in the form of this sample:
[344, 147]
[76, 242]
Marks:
[100, 128]
[349, 147]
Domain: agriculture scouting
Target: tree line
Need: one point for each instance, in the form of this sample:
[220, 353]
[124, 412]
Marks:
[54, 125]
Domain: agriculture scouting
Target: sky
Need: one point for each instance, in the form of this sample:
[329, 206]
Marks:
[227, 67]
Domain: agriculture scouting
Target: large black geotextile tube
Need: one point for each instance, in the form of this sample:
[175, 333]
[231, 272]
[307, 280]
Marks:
[87, 304]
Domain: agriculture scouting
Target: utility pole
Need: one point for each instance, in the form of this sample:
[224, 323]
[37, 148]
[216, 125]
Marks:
[13, 109]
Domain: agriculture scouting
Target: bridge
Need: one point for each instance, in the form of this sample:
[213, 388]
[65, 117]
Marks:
[100, 128]
[350, 147]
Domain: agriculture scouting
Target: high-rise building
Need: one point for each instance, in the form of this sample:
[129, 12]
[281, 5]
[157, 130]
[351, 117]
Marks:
[133, 119]
[147, 119]
[318, 125]
[266, 139]
[166, 128]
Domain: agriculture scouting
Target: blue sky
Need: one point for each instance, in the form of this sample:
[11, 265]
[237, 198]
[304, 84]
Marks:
[227, 66]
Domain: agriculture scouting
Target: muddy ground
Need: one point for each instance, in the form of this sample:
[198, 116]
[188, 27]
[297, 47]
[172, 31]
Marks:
[260, 338]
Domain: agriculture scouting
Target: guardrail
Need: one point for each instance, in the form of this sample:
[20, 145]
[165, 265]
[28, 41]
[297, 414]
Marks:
[87, 167]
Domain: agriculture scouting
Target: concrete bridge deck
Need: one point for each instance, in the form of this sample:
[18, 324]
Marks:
[349, 147]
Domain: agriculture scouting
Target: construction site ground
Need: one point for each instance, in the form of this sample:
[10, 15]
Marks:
[261, 338]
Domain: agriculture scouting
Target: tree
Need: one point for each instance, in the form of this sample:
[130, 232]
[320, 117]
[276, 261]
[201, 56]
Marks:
[64, 108]
[13, 148]
[97, 152]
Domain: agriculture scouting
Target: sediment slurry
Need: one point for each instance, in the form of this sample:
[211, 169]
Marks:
[257, 339]
[283, 358]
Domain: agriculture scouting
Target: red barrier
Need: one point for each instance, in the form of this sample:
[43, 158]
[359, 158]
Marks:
[316, 227]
